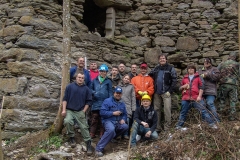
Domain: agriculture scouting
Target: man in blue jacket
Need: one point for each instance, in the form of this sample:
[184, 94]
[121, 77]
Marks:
[76, 101]
[101, 88]
[114, 115]
[80, 69]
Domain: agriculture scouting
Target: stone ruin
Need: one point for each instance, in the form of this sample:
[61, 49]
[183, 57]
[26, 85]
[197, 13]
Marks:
[106, 31]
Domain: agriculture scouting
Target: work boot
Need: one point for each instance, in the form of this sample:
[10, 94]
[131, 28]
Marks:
[89, 148]
[72, 142]
[98, 154]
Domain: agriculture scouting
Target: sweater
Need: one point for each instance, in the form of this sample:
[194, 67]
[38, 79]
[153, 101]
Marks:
[77, 96]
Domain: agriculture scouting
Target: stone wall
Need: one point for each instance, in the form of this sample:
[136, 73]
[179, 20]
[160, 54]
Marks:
[31, 45]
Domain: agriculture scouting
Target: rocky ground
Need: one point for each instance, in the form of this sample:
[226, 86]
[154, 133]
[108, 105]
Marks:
[196, 141]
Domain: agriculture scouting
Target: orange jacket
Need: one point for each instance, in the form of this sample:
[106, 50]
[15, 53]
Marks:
[143, 83]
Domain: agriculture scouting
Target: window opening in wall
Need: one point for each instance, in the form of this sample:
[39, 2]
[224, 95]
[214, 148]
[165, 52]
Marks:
[94, 17]
[60, 2]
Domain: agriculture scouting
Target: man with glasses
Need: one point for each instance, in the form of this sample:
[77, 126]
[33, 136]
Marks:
[80, 69]
[121, 69]
[101, 88]
[133, 72]
[143, 84]
[114, 116]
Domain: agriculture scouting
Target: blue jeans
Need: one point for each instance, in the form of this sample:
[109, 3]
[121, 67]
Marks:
[140, 130]
[111, 131]
[200, 106]
[211, 107]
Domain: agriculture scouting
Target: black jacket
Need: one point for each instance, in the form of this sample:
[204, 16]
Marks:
[169, 77]
[149, 116]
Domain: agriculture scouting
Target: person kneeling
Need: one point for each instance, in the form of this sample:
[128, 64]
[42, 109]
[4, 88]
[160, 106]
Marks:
[114, 116]
[145, 121]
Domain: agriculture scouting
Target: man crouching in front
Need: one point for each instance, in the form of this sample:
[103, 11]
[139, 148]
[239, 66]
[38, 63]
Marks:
[114, 116]
[76, 101]
[145, 121]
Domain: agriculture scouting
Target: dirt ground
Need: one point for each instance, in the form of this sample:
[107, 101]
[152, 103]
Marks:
[197, 141]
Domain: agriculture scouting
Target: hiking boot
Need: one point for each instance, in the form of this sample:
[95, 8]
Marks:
[126, 137]
[72, 142]
[89, 148]
[214, 126]
[133, 146]
[178, 127]
[98, 154]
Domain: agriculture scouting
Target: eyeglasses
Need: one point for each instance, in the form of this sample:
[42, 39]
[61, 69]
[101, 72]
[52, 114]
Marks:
[102, 71]
[118, 92]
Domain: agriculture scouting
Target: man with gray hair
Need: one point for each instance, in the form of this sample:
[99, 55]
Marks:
[230, 72]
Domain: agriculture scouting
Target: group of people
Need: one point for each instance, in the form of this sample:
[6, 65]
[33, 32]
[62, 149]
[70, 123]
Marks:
[119, 101]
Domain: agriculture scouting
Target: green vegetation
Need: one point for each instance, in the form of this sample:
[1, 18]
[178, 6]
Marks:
[215, 26]
[125, 40]
[128, 55]
[12, 140]
[44, 146]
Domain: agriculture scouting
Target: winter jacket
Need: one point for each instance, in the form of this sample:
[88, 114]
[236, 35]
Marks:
[195, 85]
[93, 74]
[143, 83]
[115, 81]
[230, 72]
[100, 92]
[87, 79]
[77, 96]
[109, 106]
[131, 75]
[149, 116]
[128, 97]
[211, 77]
[169, 77]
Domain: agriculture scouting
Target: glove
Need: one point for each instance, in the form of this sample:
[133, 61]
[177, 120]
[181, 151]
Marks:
[167, 94]
[202, 75]
[140, 93]
[145, 93]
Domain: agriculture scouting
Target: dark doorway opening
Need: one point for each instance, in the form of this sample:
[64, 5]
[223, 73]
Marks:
[94, 17]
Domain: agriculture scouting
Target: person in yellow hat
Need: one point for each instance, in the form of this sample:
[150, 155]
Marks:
[145, 121]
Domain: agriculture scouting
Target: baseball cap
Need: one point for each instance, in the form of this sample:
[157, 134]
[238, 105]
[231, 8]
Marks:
[118, 90]
[143, 65]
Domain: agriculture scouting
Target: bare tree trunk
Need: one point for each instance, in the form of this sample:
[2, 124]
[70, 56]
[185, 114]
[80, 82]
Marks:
[239, 30]
[66, 62]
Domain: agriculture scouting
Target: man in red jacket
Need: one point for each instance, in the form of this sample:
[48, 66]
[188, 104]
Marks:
[192, 89]
[93, 70]
[143, 84]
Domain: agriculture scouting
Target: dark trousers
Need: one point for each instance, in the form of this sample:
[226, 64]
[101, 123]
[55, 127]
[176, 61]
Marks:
[95, 123]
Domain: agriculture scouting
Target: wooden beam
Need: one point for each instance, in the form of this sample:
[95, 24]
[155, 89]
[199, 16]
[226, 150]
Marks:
[65, 60]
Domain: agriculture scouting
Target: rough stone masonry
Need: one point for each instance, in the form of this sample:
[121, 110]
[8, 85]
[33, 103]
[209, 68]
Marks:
[31, 46]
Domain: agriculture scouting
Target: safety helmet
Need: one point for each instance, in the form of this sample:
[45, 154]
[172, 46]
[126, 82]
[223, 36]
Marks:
[146, 97]
[103, 67]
